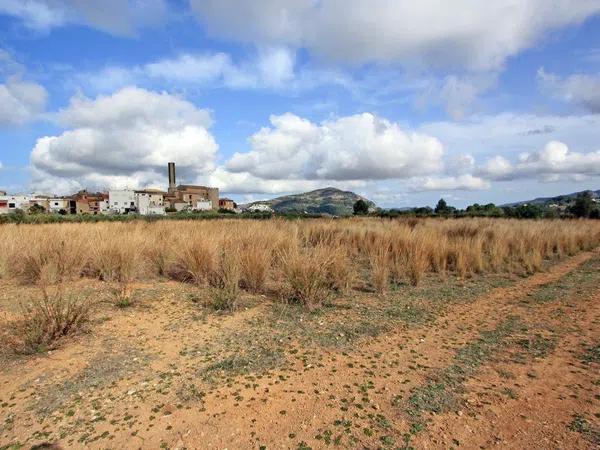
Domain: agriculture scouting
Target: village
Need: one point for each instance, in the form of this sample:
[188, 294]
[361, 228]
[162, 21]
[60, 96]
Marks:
[145, 202]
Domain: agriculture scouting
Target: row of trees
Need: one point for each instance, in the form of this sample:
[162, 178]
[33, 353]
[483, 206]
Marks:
[583, 206]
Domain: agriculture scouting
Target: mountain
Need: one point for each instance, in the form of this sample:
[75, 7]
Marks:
[558, 199]
[321, 201]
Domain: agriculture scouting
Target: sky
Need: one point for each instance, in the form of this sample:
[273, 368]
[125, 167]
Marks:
[403, 102]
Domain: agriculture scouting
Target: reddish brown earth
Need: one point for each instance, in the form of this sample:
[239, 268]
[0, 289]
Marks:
[139, 379]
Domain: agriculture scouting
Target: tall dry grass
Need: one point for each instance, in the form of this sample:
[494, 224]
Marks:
[307, 261]
[50, 315]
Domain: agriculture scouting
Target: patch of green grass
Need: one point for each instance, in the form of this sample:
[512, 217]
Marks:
[15, 446]
[580, 424]
[538, 346]
[256, 359]
[440, 394]
[582, 280]
[591, 354]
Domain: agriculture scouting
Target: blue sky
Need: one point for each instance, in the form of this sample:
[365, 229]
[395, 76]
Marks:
[401, 101]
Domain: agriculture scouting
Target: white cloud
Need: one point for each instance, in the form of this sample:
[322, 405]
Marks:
[125, 139]
[509, 134]
[272, 68]
[547, 164]
[481, 36]
[359, 147]
[21, 101]
[246, 183]
[121, 17]
[462, 182]
[580, 89]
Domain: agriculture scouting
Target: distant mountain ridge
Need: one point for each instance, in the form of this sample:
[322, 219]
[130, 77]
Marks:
[328, 200]
[557, 199]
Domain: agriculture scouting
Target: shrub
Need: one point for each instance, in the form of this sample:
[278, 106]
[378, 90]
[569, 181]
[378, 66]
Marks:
[417, 258]
[379, 263]
[46, 320]
[255, 260]
[196, 260]
[226, 279]
[305, 274]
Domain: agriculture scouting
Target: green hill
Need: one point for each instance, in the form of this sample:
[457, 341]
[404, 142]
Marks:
[321, 201]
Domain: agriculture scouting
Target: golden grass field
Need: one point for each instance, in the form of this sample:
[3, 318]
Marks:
[297, 334]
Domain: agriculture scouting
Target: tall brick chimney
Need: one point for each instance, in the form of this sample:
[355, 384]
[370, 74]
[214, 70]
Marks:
[172, 181]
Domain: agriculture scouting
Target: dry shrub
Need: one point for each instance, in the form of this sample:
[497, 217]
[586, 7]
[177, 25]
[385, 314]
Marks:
[339, 270]
[59, 255]
[226, 278]
[159, 251]
[46, 320]
[417, 258]
[118, 260]
[408, 248]
[305, 274]
[196, 260]
[255, 260]
[379, 263]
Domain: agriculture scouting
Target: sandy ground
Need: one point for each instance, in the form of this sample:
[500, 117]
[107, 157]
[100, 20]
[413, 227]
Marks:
[167, 373]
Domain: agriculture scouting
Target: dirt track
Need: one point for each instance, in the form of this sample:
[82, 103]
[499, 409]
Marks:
[134, 382]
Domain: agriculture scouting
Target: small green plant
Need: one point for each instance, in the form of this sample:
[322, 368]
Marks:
[122, 294]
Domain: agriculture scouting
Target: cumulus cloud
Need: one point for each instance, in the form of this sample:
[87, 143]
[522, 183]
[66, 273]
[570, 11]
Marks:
[462, 182]
[246, 183]
[124, 139]
[121, 17]
[580, 89]
[20, 100]
[359, 147]
[547, 164]
[481, 37]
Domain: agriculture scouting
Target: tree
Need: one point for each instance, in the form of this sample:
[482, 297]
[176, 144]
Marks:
[36, 209]
[361, 207]
[441, 207]
[584, 205]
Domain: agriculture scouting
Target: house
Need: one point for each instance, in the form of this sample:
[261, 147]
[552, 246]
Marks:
[188, 193]
[203, 205]
[226, 203]
[144, 202]
[122, 201]
[58, 204]
[191, 195]
[11, 203]
[84, 202]
[149, 202]
[156, 197]
[40, 200]
[260, 207]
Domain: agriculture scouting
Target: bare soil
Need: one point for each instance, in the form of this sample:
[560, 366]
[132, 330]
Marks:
[491, 361]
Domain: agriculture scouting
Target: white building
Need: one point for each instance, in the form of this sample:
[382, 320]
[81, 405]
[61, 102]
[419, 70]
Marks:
[55, 205]
[203, 205]
[104, 207]
[10, 203]
[260, 207]
[140, 202]
[146, 207]
[121, 201]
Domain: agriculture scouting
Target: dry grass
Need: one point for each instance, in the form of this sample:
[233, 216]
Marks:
[45, 320]
[306, 261]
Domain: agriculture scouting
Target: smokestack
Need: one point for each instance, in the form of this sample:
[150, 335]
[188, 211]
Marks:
[172, 182]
